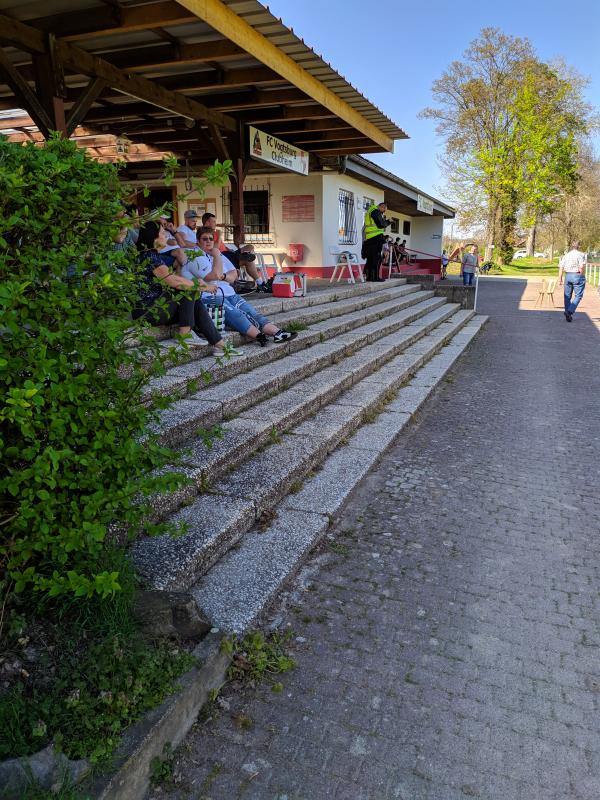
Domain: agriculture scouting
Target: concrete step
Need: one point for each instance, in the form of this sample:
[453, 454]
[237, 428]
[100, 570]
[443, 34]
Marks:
[175, 354]
[187, 379]
[267, 304]
[338, 366]
[235, 592]
[261, 480]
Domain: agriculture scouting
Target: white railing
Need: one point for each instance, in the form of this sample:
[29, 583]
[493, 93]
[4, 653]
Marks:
[592, 273]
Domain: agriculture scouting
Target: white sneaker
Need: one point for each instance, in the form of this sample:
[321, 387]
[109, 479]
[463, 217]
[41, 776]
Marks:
[193, 340]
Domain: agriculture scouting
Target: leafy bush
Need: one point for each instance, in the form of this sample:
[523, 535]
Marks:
[92, 698]
[71, 416]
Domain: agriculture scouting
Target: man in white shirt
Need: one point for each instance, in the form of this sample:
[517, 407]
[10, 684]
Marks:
[239, 315]
[572, 266]
[186, 233]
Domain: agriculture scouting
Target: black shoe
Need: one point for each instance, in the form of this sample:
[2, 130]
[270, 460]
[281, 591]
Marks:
[568, 317]
[262, 339]
[284, 336]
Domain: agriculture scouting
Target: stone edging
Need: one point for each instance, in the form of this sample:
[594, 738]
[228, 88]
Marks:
[169, 723]
[143, 741]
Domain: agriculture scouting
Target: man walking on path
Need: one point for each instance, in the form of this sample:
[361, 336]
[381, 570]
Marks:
[572, 264]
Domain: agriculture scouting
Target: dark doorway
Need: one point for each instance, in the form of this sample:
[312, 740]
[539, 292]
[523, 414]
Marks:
[157, 198]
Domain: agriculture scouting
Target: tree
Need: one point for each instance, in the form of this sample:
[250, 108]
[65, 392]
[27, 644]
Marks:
[473, 112]
[511, 125]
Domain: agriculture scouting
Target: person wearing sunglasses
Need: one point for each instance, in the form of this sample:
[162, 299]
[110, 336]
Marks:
[211, 267]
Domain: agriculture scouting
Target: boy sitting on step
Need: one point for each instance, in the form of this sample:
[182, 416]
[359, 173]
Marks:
[210, 266]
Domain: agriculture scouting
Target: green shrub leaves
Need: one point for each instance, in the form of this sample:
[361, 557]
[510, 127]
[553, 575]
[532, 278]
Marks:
[74, 459]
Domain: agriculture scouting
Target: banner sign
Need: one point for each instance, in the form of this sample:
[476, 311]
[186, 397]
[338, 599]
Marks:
[424, 204]
[265, 147]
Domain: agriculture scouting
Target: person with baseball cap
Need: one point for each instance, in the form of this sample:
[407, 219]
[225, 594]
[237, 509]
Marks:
[186, 233]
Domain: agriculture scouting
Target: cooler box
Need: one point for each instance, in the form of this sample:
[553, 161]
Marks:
[289, 284]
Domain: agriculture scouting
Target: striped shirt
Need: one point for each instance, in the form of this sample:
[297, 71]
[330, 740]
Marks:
[573, 261]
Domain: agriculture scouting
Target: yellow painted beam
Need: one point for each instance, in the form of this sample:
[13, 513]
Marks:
[223, 19]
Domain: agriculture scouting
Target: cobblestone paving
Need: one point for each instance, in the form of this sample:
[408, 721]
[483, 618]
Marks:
[447, 640]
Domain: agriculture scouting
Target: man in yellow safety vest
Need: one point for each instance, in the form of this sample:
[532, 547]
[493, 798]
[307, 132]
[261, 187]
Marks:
[373, 231]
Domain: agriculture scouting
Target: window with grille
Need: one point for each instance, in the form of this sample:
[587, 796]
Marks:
[406, 227]
[347, 217]
[256, 215]
[395, 226]
[367, 202]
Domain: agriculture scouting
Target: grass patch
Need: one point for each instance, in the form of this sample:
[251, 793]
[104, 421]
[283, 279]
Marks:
[256, 658]
[85, 674]
[528, 268]
[520, 268]
[295, 326]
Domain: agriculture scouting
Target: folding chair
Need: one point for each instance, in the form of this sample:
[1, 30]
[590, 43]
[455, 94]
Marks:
[346, 260]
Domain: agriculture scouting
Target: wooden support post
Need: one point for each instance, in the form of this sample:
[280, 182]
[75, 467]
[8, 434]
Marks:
[84, 103]
[241, 164]
[50, 85]
[237, 201]
[25, 94]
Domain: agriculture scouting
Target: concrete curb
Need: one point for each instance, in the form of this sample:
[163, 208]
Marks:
[169, 723]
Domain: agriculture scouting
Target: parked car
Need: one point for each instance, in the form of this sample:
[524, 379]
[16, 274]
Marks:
[523, 254]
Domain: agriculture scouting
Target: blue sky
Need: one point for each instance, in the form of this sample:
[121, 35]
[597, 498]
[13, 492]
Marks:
[392, 52]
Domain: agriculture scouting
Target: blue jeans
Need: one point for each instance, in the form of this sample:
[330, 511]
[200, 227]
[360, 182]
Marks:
[574, 285]
[468, 278]
[240, 315]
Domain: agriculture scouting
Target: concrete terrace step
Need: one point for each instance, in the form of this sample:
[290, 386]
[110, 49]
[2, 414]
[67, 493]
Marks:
[242, 436]
[212, 404]
[216, 522]
[267, 304]
[186, 379]
[236, 591]
[305, 315]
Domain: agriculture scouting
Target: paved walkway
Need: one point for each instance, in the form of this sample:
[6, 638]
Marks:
[448, 641]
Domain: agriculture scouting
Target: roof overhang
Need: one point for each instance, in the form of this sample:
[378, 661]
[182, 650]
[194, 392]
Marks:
[399, 195]
[183, 77]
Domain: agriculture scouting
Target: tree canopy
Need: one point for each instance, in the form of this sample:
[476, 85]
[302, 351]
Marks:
[512, 126]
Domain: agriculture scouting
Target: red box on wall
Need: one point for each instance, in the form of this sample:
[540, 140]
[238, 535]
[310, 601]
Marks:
[296, 252]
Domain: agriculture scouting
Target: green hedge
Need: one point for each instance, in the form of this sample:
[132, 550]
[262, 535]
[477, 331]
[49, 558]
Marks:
[71, 419]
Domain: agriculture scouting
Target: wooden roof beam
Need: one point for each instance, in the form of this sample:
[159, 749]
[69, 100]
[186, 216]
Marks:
[283, 114]
[168, 55]
[341, 150]
[233, 27]
[254, 99]
[106, 21]
[80, 61]
[219, 79]
[305, 126]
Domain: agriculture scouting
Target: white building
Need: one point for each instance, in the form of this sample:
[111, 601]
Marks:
[323, 211]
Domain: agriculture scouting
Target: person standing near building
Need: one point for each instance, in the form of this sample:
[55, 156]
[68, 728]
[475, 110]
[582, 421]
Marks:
[572, 266]
[374, 232]
[469, 263]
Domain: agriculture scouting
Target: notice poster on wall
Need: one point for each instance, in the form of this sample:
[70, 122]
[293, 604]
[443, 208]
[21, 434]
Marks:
[265, 147]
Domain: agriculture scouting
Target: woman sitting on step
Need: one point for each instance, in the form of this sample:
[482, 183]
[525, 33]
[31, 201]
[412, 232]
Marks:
[239, 314]
[166, 298]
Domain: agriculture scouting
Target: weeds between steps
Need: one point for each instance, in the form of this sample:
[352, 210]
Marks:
[256, 659]
[295, 326]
